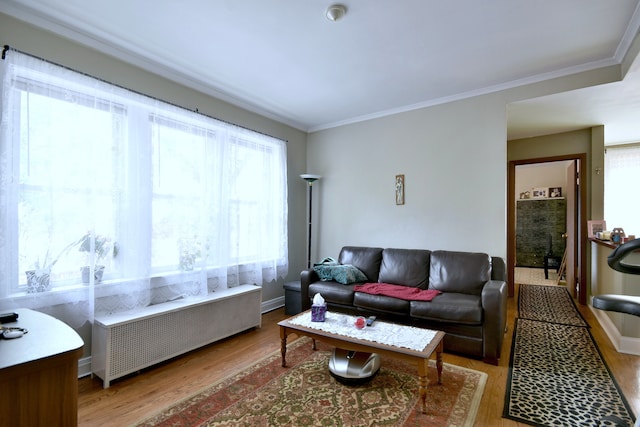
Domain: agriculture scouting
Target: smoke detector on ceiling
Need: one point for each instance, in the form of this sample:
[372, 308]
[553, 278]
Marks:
[336, 12]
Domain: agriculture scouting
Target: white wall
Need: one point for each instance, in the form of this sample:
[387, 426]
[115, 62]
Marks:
[545, 175]
[453, 157]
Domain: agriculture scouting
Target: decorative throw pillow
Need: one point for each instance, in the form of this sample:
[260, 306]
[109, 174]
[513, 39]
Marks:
[341, 273]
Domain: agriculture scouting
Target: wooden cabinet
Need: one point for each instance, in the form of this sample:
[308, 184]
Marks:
[39, 373]
[540, 224]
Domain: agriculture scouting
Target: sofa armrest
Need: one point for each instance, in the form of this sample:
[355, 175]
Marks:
[307, 277]
[494, 307]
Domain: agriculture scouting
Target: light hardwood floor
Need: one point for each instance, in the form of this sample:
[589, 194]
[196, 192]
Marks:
[138, 396]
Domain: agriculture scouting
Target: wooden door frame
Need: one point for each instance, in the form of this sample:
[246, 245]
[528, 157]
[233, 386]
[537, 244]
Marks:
[580, 247]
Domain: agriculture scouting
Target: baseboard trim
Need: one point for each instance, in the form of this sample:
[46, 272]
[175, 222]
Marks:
[621, 343]
[84, 364]
[84, 367]
[272, 304]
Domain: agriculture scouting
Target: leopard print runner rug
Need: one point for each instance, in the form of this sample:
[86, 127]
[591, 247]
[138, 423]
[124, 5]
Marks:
[558, 377]
[551, 304]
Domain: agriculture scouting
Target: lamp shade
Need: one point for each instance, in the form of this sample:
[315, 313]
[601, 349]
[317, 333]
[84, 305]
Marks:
[310, 177]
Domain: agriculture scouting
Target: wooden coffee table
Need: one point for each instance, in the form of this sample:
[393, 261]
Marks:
[421, 358]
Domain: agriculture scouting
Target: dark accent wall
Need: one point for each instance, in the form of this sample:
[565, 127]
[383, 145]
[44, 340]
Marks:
[539, 228]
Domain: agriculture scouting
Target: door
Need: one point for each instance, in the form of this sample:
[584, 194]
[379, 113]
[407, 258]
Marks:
[576, 238]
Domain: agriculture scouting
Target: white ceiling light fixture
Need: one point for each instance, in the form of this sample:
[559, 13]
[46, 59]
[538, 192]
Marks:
[336, 12]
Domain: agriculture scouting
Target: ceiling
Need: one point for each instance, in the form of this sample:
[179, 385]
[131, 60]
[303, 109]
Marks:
[284, 59]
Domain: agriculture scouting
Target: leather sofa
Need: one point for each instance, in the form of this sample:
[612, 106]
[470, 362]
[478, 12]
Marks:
[471, 308]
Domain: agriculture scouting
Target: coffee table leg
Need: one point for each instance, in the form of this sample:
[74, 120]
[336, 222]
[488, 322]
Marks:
[439, 361]
[283, 345]
[423, 381]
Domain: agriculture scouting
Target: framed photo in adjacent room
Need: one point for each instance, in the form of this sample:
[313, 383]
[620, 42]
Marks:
[555, 192]
[595, 226]
[540, 193]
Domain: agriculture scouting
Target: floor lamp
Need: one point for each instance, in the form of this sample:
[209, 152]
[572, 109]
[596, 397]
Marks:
[310, 180]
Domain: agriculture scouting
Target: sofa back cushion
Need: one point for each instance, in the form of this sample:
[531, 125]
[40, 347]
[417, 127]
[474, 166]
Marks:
[365, 259]
[408, 267]
[463, 272]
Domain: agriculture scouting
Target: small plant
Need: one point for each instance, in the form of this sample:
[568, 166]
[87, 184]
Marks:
[38, 278]
[103, 247]
[190, 249]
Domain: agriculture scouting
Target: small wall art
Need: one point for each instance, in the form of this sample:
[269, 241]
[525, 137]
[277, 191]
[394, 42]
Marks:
[595, 226]
[555, 192]
[540, 193]
[399, 189]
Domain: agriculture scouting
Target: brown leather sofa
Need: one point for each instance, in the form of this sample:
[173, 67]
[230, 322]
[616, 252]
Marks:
[471, 310]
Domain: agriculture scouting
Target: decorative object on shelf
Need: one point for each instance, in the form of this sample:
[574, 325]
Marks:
[310, 178]
[618, 235]
[525, 195]
[555, 192]
[540, 193]
[595, 226]
[102, 246]
[399, 189]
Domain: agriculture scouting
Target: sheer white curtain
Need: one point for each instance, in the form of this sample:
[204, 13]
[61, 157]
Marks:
[155, 201]
[621, 180]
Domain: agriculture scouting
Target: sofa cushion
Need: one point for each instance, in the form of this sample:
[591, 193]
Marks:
[408, 267]
[464, 272]
[332, 292]
[365, 259]
[381, 303]
[341, 273]
[449, 307]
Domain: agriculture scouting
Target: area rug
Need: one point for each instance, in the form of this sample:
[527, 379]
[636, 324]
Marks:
[558, 378]
[552, 304]
[305, 394]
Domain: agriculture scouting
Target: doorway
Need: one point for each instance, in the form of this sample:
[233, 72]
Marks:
[575, 196]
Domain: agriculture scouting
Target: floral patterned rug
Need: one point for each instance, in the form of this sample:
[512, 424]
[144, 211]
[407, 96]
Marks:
[305, 394]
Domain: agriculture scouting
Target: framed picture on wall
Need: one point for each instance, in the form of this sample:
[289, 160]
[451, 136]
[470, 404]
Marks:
[540, 193]
[555, 192]
[400, 189]
[595, 226]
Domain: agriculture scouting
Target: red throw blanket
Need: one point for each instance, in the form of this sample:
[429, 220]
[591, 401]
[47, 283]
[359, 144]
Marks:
[397, 291]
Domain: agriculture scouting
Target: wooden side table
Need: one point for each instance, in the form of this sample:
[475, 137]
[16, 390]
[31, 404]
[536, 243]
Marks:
[39, 372]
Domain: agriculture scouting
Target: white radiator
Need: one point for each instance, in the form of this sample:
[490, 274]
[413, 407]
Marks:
[126, 343]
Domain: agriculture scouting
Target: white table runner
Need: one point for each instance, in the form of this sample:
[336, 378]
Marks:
[381, 332]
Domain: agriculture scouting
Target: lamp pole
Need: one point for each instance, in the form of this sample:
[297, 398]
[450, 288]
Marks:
[310, 180]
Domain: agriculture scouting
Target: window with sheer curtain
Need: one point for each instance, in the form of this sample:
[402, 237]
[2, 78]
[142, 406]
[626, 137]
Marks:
[621, 178]
[152, 201]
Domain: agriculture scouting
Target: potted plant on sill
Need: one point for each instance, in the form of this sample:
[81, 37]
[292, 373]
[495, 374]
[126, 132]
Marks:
[103, 246]
[190, 249]
[39, 279]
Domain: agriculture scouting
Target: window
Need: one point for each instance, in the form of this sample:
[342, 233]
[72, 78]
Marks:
[184, 202]
[622, 175]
